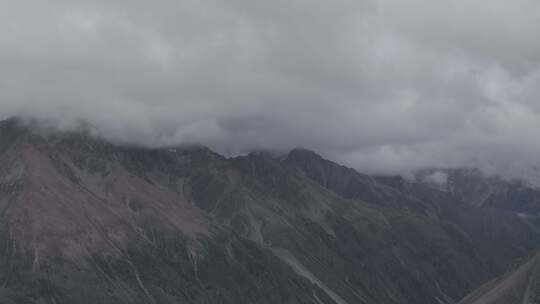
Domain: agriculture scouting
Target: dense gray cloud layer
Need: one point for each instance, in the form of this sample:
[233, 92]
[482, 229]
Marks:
[381, 85]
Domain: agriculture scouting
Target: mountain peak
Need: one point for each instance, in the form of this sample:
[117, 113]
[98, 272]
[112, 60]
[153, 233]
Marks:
[303, 153]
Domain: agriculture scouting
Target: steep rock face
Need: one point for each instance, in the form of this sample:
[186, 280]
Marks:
[352, 246]
[80, 224]
[86, 221]
[61, 209]
[486, 228]
[517, 287]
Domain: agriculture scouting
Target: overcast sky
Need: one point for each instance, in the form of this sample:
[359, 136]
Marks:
[381, 85]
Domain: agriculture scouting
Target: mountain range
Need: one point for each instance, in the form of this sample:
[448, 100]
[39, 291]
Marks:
[85, 220]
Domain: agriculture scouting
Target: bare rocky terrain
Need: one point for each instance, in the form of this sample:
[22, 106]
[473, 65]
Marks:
[83, 220]
[516, 287]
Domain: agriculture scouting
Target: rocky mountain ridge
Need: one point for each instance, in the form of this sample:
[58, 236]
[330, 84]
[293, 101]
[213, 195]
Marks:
[88, 221]
[483, 190]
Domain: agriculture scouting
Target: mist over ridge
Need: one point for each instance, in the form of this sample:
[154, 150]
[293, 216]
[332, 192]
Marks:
[382, 86]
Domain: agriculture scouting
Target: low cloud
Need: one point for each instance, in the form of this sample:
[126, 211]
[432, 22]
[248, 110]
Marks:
[381, 85]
